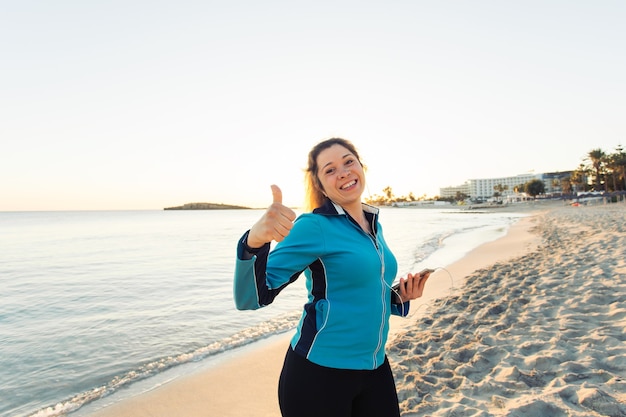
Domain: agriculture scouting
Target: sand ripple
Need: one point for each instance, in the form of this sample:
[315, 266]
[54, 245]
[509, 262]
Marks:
[541, 335]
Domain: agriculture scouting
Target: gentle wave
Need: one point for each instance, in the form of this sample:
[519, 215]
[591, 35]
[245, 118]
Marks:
[275, 326]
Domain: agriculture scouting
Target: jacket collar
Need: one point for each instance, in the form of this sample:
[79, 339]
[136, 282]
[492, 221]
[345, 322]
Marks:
[330, 208]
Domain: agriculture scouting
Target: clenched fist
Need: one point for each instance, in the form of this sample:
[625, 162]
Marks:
[275, 224]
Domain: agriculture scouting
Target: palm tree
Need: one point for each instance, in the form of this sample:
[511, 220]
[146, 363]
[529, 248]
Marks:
[499, 188]
[579, 178]
[619, 160]
[597, 157]
[388, 193]
[612, 164]
[566, 185]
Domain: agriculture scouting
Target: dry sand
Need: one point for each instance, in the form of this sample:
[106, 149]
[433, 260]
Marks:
[543, 334]
[535, 327]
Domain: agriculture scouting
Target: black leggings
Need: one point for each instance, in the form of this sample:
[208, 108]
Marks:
[309, 390]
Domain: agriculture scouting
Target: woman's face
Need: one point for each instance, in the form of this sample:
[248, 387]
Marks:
[341, 175]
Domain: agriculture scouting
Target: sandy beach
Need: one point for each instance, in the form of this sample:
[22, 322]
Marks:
[542, 334]
[534, 326]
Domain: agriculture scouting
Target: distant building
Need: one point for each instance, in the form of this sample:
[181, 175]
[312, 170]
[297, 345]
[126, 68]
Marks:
[451, 192]
[554, 181]
[484, 188]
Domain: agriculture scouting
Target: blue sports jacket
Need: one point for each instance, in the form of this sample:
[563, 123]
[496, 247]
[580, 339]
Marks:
[348, 273]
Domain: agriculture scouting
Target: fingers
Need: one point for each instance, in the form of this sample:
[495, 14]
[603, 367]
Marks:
[411, 284]
[404, 287]
[275, 224]
[414, 287]
[278, 219]
[422, 282]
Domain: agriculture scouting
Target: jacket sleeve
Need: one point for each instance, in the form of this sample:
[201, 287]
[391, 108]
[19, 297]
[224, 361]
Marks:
[260, 277]
[401, 310]
[245, 283]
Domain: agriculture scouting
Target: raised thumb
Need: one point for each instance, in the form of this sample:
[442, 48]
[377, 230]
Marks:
[277, 194]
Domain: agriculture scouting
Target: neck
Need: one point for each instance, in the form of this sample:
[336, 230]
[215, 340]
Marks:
[356, 212]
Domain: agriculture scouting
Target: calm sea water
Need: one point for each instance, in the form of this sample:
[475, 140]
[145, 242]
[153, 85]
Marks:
[97, 302]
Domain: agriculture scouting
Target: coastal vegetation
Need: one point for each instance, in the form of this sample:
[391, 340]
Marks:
[206, 206]
[599, 172]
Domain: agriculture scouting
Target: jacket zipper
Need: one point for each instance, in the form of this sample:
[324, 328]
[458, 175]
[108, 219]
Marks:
[381, 256]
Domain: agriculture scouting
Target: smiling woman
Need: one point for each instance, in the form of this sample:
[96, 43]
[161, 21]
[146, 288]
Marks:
[335, 365]
[335, 172]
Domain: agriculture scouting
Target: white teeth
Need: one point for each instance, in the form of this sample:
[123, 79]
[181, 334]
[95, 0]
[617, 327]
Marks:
[350, 184]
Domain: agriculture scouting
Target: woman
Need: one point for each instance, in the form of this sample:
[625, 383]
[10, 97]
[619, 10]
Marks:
[336, 363]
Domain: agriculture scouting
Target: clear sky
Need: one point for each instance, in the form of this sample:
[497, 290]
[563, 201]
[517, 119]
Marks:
[144, 104]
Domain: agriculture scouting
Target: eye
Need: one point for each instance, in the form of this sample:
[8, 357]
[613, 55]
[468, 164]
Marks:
[329, 171]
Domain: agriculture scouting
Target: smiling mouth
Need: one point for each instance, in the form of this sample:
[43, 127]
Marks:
[348, 185]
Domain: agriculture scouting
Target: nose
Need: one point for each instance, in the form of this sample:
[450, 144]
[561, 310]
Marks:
[345, 172]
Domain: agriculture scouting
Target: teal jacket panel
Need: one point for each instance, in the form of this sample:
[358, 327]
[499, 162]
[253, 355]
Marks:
[349, 274]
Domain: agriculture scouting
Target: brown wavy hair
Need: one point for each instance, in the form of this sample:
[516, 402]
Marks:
[314, 192]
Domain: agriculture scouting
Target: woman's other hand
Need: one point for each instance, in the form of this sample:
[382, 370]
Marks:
[412, 286]
[275, 224]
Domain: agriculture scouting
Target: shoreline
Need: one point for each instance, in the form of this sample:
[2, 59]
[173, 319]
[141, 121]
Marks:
[246, 382]
[540, 334]
[243, 383]
[518, 240]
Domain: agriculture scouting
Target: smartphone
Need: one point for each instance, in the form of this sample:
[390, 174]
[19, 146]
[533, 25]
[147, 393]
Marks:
[423, 272]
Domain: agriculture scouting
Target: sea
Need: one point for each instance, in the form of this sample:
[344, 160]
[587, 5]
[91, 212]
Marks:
[97, 306]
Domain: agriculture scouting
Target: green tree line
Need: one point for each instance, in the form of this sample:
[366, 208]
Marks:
[599, 171]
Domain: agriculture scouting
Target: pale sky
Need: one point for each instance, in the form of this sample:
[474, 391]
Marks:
[129, 104]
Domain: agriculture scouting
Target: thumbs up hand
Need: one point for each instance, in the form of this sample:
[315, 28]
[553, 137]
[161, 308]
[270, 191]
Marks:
[275, 223]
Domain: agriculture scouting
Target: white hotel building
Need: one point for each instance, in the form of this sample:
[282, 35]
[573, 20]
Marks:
[483, 189]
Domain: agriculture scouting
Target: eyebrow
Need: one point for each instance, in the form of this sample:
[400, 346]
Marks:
[343, 157]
